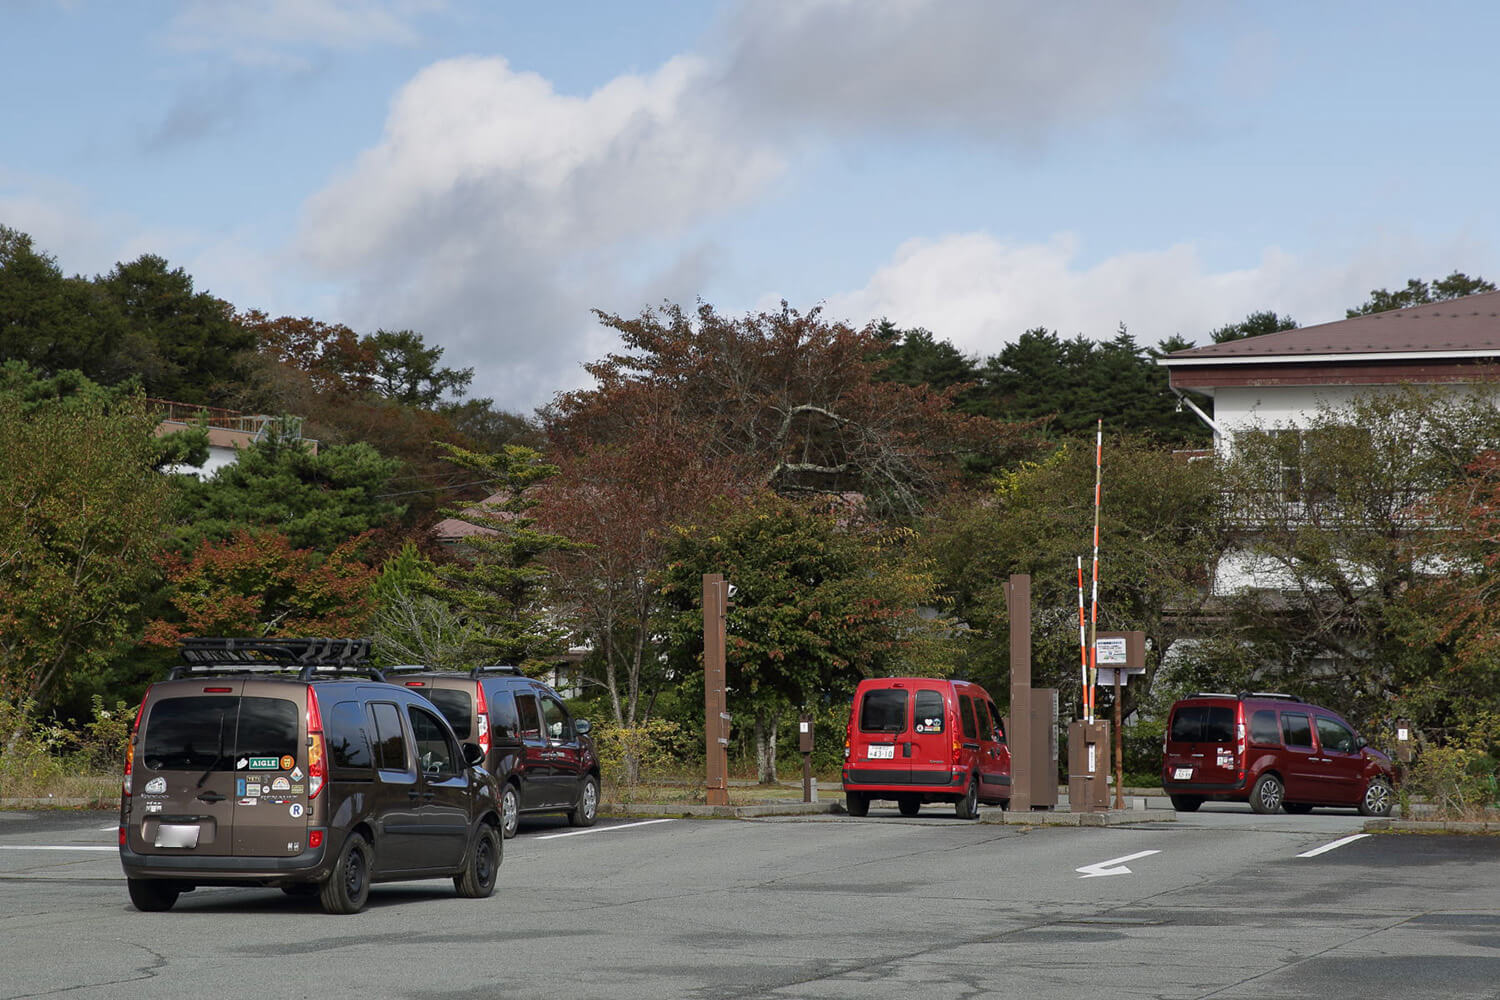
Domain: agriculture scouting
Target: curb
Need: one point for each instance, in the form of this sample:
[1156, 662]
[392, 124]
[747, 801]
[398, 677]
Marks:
[1039, 817]
[1431, 826]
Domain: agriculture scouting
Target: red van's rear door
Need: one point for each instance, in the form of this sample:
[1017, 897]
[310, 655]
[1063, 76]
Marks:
[880, 747]
[930, 743]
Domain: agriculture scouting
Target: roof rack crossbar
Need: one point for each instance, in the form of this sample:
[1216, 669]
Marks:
[307, 657]
[495, 668]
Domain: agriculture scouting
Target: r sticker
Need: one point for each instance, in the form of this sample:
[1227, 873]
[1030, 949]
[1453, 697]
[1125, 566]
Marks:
[296, 810]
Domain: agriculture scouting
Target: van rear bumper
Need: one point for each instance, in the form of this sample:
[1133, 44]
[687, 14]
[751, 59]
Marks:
[1205, 787]
[889, 782]
[310, 866]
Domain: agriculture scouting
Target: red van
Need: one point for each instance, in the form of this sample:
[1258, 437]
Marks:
[924, 739]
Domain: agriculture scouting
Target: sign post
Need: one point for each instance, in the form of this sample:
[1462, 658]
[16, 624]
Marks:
[1120, 655]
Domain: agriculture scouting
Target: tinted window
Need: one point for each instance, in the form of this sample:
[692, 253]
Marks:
[1296, 731]
[966, 713]
[1203, 724]
[457, 707]
[555, 717]
[982, 720]
[528, 721]
[1334, 735]
[998, 723]
[390, 742]
[929, 706]
[209, 732]
[502, 705]
[348, 744]
[435, 750]
[1263, 727]
[883, 711]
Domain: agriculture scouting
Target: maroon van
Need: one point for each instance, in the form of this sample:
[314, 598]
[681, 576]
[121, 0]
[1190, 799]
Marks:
[924, 739]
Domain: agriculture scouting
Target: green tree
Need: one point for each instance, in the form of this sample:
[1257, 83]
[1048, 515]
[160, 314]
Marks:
[406, 369]
[317, 500]
[820, 603]
[81, 526]
[412, 621]
[499, 579]
[49, 321]
[1158, 532]
[182, 344]
[1418, 292]
[1253, 325]
[915, 357]
[1338, 531]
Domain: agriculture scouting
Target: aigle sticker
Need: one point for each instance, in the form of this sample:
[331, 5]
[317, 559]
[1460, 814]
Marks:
[264, 763]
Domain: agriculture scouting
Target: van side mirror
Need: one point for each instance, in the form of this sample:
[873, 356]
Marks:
[473, 754]
[1360, 742]
[582, 726]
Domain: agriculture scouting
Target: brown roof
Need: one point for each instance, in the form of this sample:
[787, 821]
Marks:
[1466, 328]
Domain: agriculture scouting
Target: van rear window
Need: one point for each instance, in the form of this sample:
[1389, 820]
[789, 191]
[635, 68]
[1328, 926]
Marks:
[457, 707]
[1263, 727]
[883, 711]
[930, 715]
[1203, 724]
[210, 732]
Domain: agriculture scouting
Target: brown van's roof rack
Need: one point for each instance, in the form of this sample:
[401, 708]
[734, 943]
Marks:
[308, 657]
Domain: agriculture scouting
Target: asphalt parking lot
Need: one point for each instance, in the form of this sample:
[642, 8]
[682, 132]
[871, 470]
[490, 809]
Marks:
[1222, 903]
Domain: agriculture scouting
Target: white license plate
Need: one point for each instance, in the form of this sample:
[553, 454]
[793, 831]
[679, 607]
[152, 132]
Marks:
[1182, 773]
[172, 835]
[881, 753]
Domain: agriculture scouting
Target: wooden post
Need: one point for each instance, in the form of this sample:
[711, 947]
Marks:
[1018, 602]
[715, 716]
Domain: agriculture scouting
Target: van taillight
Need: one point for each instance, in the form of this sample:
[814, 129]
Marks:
[130, 746]
[314, 838]
[1241, 744]
[958, 751]
[482, 711]
[317, 767]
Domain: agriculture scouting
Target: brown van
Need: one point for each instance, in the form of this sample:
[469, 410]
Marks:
[289, 763]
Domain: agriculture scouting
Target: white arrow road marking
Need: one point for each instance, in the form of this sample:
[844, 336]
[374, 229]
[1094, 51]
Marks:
[1104, 867]
[1333, 846]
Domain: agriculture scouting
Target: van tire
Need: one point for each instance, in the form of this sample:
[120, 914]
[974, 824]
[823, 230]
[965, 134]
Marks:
[1377, 800]
[909, 805]
[477, 880]
[587, 809]
[153, 895]
[1186, 803]
[348, 886]
[1267, 795]
[857, 803]
[510, 810]
[968, 806]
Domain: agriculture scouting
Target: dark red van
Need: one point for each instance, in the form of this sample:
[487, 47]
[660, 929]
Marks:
[924, 739]
[1273, 751]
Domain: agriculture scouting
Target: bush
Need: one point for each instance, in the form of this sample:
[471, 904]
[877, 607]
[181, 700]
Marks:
[1459, 778]
[632, 759]
[41, 757]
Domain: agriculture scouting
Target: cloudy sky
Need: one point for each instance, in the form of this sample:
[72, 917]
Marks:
[488, 171]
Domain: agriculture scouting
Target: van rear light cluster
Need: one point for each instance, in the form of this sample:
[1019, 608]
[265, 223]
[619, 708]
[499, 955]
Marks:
[130, 751]
[314, 839]
[958, 751]
[482, 709]
[317, 764]
[1241, 743]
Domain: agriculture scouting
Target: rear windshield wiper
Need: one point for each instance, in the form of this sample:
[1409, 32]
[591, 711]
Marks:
[218, 756]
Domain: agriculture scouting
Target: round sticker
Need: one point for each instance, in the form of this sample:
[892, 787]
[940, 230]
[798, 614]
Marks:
[287, 762]
[296, 810]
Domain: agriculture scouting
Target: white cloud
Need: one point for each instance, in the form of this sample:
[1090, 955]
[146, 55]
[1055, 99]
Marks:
[1004, 69]
[495, 212]
[262, 32]
[981, 293]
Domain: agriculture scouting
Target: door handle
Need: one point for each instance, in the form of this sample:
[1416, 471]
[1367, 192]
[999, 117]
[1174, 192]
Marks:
[211, 796]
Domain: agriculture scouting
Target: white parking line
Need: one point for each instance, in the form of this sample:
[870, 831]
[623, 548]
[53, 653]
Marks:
[1333, 846]
[604, 829]
[52, 847]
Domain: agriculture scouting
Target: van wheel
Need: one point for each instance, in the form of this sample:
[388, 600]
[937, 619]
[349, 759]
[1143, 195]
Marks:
[1378, 798]
[1266, 796]
[152, 895]
[587, 809]
[1186, 803]
[909, 806]
[348, 886]
[510, 810]
[968, 806]
[477, 880]
[857, 803]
